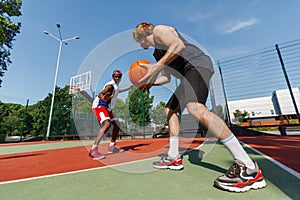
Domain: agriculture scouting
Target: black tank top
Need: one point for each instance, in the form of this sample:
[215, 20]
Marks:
[191, 56]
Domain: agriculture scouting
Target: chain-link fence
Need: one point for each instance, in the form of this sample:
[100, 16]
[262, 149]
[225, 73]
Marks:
[29, 121]
[257, 89]
[262, 88]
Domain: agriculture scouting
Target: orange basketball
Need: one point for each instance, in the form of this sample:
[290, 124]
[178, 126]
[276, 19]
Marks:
[136, 72]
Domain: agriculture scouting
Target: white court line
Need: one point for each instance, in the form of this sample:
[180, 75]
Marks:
[289, 170]
[73, 172]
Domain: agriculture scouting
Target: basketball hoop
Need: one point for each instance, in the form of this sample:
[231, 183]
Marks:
[73, 89]
[80, 82]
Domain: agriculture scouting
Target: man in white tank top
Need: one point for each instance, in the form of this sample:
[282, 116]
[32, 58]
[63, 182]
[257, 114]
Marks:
[116, 79]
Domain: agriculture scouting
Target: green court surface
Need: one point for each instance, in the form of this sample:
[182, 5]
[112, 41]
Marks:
[137, 180]
[37, 147]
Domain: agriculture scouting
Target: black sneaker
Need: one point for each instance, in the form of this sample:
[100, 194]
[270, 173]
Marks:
[241, 179]
[168, 163]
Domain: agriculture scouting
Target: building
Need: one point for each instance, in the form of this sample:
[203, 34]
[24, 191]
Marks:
[283, 102]
[267, 108]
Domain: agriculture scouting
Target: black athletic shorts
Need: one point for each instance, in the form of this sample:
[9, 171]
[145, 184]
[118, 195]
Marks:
[194, 87]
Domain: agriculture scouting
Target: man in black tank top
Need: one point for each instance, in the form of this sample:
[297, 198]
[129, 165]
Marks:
[177, 57]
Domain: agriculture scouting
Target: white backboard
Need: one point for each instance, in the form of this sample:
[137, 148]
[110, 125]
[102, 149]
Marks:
[80, 82]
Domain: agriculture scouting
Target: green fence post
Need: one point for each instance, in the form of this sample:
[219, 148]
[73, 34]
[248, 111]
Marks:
[73, 116]
[58, 118]
[143, 112]
[24, 120]
[45, 128]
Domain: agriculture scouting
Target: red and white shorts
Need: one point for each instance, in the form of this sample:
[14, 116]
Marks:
[103, 114]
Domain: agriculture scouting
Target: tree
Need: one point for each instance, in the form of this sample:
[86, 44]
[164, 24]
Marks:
[240, 115]
[8, 31]
[219, 111]
[140, 104]
[61, 111]
[38, 114]
[11, 118]
[122, 113]
[61, 116]
[158, 113]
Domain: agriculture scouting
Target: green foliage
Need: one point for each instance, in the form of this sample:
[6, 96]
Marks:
[82, 107]
[122, 113]
[158, 113]
[12, 116]
[62, 112]
[140, 104]
[8, 31]
[219, 111]
[240, 115]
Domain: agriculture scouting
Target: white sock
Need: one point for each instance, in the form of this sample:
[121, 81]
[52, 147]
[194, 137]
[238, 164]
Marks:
[94, 146]
[112, 144]
[174, 146]
[237, 151]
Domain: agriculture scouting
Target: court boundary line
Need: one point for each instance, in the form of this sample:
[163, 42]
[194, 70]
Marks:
[73, 172]
[279, 164]
[83, 170]
[289, 170]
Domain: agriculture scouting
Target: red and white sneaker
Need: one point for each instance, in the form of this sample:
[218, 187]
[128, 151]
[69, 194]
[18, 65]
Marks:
[95, 155]
[169, 163]
[241, 179]
[114, 149]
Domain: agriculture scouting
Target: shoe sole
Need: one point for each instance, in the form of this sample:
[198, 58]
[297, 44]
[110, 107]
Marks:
[172, 167]
[93, 158]
[120, 151]
[254, 186]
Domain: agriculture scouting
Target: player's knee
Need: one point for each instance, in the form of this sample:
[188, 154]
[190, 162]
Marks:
[169, 112]
[106, 124]
[197, 110]
[116, 128]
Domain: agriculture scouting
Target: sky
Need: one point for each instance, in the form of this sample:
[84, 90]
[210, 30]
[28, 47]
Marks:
[224, 28]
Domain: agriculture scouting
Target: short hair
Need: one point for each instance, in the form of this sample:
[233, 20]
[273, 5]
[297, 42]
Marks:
[116, 72]
[143, 29]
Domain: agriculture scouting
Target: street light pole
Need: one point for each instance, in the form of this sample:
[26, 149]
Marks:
[61, 42]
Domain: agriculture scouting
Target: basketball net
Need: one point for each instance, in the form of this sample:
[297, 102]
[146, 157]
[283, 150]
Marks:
[73, 90]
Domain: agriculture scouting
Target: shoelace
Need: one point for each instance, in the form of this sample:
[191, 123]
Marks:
[234, 170]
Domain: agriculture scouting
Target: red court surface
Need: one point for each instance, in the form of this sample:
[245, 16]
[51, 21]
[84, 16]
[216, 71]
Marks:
[284, 149]
[55, 161]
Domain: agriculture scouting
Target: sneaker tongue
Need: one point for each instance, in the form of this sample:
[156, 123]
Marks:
[251, 171]
[234, 171]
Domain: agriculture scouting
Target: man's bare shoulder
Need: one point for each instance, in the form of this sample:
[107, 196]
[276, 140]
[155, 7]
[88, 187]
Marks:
[163, 28]
[165, 34]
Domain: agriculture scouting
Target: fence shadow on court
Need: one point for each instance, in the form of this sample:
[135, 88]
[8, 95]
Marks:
[195, 157]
